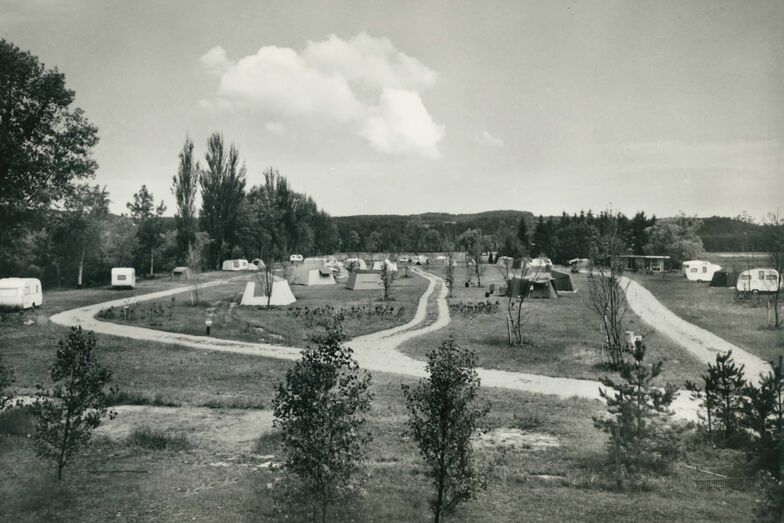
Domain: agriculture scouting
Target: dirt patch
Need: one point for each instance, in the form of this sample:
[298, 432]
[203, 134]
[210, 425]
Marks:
[223, 428]
[516, 438]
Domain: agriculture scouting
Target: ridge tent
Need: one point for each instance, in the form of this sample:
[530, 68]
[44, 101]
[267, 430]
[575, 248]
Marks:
[281, 294]
[562, 281]
[124, 277]
[21, 293]
[364, 280]
[724, 279]
[392, 266]
[532, 288]
[505, 261]
[181, 273]
[309, 275]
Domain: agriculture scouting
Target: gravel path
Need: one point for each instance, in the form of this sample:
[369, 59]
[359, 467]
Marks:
[704, 345]
[375, 352]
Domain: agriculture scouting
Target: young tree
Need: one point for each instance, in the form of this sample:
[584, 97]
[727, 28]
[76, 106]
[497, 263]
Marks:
[222, 192]
[774, 240]
[149, 225]
[67, 414]
[443, 415]
[640, 438]
[184, 188]
[78, 226]
[607, 296]
[46, 143]
[6, 380]
[449, 276]
[722, 397]
[387, 276]
[320, 411]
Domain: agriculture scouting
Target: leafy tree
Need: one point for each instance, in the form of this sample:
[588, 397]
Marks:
[6, 380]
[640, 438]
[222, 192]
[443, 415]
[46, 143]
[473, 241]
[354, 241]
[149, 225]
[677, 238]
[320, 411]
[77, 227]
[373, 242]
[774, 244]
[387, 276]
[184, 187]
[68, 413]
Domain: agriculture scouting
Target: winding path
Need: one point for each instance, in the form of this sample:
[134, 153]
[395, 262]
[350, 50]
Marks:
[704, 345]
[378, 351]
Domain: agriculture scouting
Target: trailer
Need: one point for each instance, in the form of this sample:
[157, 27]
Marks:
[21, 293]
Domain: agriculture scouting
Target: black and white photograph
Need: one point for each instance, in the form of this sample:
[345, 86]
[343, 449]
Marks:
[392, 261]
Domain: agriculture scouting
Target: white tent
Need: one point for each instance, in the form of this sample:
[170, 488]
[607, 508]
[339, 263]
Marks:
[361, 265]
[442, 260]
[391, 266]
[505, 261]
[420, 260]
[364, 280]
[124, 277]
[759, 280]
[238, 265]
[258, 262]
[309, 275]
[21, 293]
[281, 294]
[701, 270]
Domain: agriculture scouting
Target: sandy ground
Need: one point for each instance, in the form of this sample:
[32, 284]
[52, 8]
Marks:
[702, 344]
[378, 351]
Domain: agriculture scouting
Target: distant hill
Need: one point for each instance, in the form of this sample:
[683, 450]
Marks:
[721, 234]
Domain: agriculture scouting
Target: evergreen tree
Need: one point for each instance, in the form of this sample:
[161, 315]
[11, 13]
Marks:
[149, 225]
[522, 236]
[184, 187]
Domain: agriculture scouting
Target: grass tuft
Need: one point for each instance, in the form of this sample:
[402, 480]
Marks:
[152, 439]
[137, 398]
[17, 421]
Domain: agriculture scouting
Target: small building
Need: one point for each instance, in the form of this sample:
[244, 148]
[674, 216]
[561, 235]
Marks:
[181, 273]
[759, 280]
[21, 293]
[644, 262]
[364, 280]
[124, 277]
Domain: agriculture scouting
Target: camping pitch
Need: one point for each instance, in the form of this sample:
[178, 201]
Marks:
[21, 293]
[309, 274]
[364, 280]
[281, 294]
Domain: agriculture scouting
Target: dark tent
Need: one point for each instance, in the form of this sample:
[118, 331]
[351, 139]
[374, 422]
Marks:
[724, 279]
[562, 281]
[539, 288]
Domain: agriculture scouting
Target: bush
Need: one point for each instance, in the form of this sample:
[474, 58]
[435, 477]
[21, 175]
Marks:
[17, 422]
[153, 439]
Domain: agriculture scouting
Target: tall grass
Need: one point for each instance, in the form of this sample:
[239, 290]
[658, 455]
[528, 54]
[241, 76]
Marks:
[153, 439]
[17, 421]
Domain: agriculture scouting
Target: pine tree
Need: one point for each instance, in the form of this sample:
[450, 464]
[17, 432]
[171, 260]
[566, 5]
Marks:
[640, 437]
[522, 236]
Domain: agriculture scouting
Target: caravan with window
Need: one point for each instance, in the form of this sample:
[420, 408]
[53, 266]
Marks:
[21, 293]
[759, 280]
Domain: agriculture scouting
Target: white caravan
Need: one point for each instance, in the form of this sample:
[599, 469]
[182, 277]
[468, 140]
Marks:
[238, 265]
[21, 293]
[701, 270]
[124, 277]
[759, 280]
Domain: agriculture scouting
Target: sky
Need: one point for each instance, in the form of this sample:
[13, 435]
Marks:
[398, 107]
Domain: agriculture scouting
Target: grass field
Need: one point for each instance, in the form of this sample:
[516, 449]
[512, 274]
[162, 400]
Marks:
[562, 335]
[743, 323]
[364, 312]
[127, 481]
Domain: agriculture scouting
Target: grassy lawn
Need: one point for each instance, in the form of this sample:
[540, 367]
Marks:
[364, 312]
[120, 481]
[562, 335]
[743, 323]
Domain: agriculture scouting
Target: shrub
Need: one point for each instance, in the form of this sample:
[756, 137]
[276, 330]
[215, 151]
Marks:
[153, 439]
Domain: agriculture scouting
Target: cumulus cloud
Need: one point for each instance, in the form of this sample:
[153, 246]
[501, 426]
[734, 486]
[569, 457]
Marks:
[364, 84]
[485, 138]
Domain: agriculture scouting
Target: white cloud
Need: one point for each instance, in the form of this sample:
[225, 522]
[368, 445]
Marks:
[485, 138]
[364, 84]
[276, 128]
[402, 125]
